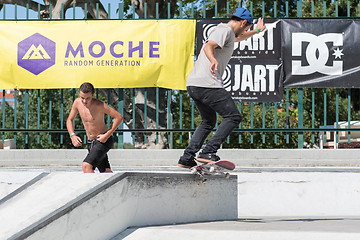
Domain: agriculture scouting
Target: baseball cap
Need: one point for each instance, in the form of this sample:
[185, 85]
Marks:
[242, 13]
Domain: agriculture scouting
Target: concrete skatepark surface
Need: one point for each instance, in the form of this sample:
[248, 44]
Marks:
[70, 205]
[270, 202]
[246, 158]
[254, 229]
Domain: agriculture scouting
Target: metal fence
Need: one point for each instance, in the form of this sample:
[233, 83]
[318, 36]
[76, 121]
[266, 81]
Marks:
[304, 118]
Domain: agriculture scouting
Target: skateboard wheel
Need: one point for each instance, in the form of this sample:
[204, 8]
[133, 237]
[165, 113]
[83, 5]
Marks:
[204, 180]
[227, 175]
[212, 169]
[194, 170]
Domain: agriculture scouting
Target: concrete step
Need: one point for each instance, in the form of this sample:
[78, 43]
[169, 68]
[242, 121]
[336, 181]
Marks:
[77, 205]
[74, 204]
[170, 157]
[252, 228]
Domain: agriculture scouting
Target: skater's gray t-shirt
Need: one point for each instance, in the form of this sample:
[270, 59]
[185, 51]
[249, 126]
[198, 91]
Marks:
[200, 75]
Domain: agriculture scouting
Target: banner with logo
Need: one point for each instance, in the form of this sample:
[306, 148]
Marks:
[107, 53]
[321, 53]
[254, 71]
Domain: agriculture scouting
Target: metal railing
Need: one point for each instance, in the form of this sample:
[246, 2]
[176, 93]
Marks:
[292, 123]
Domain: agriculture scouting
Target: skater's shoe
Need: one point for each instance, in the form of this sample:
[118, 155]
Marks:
[187, 163]
[208, 157]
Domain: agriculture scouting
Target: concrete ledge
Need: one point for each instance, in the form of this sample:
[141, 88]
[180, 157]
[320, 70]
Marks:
[254, 229]
[135, 199]
[299, 194]
[23, 187]
[169, 157]
[128, 200]
[43, 197]
[11, 181]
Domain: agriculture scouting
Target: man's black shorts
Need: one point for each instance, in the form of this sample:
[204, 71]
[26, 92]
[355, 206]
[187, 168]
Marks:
[97, 155]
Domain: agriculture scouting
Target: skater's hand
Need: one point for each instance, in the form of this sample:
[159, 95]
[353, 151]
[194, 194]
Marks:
[76, 141]
[102, 138]
[260, 24]
[214, 67]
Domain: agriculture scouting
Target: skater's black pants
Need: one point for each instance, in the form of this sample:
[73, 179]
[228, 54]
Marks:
[210, 101]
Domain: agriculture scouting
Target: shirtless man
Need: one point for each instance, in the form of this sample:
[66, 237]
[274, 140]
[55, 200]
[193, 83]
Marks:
[100, 139]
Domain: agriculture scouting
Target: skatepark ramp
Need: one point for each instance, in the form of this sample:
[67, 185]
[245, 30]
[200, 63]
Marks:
[100, 206]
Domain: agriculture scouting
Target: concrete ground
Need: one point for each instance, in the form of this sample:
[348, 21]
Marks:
[252, 228]
[294, 183]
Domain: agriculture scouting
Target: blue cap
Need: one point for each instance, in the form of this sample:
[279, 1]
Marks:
[243, 14]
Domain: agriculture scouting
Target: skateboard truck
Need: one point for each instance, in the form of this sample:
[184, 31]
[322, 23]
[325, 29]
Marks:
[199, 170]
[214, 168]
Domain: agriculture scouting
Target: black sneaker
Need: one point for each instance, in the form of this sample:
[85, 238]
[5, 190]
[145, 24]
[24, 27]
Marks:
[187, 163]
[209, 156]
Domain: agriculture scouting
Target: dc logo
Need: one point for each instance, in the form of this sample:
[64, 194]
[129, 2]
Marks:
[36, 53]
[317, 54]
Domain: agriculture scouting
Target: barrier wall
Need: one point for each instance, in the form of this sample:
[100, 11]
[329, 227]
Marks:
[116, 203]
[170, 157]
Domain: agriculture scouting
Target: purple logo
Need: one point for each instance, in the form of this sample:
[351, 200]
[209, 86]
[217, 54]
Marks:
[36, 53]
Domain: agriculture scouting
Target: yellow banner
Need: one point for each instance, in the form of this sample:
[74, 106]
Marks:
[107, 53]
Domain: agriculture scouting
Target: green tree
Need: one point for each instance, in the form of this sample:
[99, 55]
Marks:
[41, 110]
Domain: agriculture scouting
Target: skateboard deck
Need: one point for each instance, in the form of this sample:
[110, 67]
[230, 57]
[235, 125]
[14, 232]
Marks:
[221, 167]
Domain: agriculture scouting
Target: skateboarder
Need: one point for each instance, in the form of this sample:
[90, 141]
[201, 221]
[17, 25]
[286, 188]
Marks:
[205, 86]
[100, 138]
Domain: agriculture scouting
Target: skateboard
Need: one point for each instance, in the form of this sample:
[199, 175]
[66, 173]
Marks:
[213, 168]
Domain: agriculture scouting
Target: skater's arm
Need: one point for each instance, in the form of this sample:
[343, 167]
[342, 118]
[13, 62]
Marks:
[209, 52]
